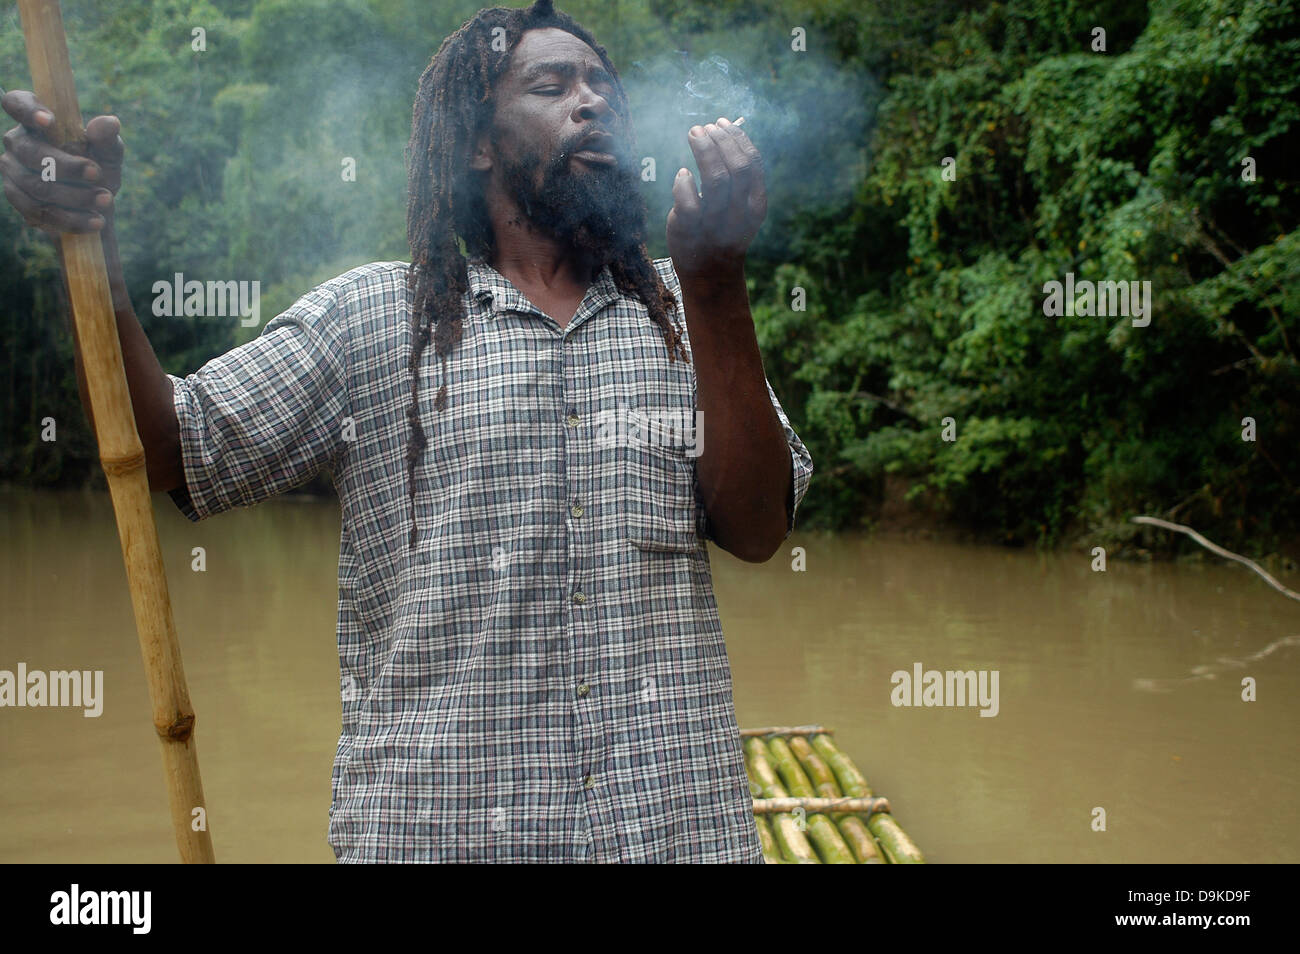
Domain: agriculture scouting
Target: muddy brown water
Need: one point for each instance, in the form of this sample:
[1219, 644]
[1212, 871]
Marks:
[1119, 691]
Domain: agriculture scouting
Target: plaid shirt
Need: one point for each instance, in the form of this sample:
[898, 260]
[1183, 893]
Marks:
[544, 678]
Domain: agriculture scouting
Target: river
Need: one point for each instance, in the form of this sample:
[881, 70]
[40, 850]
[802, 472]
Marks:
[1119, 691]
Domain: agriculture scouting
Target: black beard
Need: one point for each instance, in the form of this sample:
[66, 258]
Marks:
[599, 212]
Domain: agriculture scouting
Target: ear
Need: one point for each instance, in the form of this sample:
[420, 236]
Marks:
[481, 158]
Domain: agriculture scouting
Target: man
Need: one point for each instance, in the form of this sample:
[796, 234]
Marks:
[531, 659]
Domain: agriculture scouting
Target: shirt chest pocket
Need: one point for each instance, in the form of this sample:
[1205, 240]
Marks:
[657, 487]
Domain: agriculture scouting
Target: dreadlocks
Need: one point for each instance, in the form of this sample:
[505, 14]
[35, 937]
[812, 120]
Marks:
[446, 204]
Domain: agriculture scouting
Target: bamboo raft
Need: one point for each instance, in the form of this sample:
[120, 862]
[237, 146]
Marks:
[812, 805]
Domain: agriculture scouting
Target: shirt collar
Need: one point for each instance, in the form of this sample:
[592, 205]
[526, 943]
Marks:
[499, 295]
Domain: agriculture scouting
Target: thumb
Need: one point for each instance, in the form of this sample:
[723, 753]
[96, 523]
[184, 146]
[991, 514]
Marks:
[102, 135]
[686, 198]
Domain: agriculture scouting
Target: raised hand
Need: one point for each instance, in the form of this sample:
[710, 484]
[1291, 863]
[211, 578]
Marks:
[714, 226]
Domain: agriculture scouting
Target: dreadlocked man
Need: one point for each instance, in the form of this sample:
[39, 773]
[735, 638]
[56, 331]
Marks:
[532, 663]
[593, 220]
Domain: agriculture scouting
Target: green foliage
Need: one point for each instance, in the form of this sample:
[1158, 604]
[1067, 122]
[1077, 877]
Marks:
[923, 295]
[1123, 165]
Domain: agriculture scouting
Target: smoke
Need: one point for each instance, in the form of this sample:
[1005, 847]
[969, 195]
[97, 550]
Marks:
[808, 118]
[807, 114]
[713, 82]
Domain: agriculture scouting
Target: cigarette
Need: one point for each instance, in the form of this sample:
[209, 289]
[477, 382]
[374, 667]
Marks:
[739, 122]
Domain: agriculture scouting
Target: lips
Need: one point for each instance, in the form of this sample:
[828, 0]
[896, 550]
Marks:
[597, 148]
[593, 156]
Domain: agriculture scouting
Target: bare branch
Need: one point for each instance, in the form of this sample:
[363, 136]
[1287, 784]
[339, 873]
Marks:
[1214, 548]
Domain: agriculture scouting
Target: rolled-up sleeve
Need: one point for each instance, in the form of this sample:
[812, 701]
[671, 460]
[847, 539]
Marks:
[801, 465]
[268, 415]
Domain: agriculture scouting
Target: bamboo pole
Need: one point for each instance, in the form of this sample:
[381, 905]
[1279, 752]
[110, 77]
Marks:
[841, 804]
[120, 451]
[786, 730]
[821, 830]
[861, 843]
[771, 850]
[898, 847]
[853, 829]
[794, 846]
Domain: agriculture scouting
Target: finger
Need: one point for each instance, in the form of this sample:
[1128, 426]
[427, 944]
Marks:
[733, 152]
[735, 215]
[51, 218]
[715, 184]
[68, 195]
[753, 172]
[23, 106]
[686, 201]
[741, 136]
[32, 152]
[107, 148]
[105, 143]
[757, 180]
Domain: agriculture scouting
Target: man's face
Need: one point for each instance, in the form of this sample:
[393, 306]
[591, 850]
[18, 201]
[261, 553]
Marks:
[559, 148]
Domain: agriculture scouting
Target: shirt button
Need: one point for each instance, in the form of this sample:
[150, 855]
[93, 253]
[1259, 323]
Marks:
[589, 782]
[576, 510]
[572, 419]
[583, 689]
[579, 597]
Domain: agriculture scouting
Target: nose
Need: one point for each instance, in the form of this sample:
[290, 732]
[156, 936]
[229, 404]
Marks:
[592, 106]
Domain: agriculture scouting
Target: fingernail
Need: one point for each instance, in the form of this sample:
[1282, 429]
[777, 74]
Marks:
[697, 131]
[681, 172]
[91, 173]
[104, 200]
[723, 123]
[44, 117]
[97, 222]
